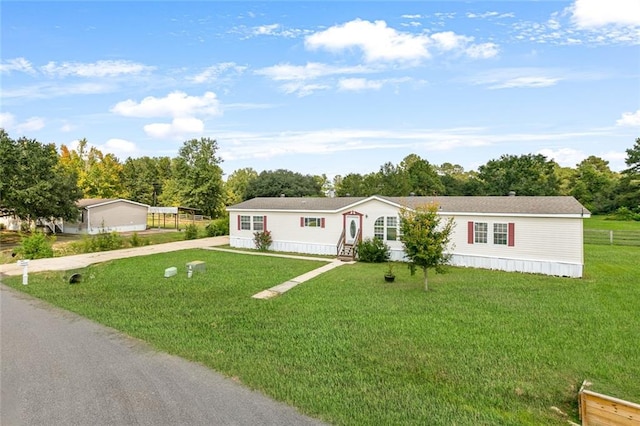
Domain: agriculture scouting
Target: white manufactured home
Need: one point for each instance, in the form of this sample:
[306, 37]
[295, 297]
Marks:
[105, 215]
[512, 233]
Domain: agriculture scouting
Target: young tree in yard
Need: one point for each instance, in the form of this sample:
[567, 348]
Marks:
[425, 237]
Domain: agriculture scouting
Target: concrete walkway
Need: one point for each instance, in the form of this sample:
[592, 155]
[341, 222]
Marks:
[83, 260]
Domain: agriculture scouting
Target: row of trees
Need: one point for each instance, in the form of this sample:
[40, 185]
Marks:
[38, 181]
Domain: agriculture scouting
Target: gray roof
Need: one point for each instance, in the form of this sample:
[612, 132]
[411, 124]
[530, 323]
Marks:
[556, 205]
[87, 203]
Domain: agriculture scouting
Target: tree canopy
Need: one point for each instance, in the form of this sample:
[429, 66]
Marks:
[283, 182]
[34, 184]
[530, 174]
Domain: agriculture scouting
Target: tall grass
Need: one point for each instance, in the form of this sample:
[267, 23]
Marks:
[482, 347]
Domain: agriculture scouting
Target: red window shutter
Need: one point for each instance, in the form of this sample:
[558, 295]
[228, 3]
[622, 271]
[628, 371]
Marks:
[322, 223]
[470, 232]
[301, 222]
[512, 234]
[238, 222]
[264, 223]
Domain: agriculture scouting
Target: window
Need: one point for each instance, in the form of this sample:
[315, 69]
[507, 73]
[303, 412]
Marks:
[258, 223]
[255, 223]
[480, 232]
[386, 228]
[392, 228]
[500, 233]
[312, 222]
[378, 228]
[245, 223]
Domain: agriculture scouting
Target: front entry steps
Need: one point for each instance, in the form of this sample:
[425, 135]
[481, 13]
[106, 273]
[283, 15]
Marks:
[347, 253]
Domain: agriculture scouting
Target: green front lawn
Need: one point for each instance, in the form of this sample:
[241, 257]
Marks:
[482, 347]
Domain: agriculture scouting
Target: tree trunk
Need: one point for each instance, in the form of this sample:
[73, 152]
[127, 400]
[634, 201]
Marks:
[426, 283]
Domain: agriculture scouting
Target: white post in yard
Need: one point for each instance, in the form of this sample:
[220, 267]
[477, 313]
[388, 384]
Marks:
[25, 271]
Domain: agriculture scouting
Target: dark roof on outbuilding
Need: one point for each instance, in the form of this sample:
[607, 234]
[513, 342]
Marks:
[536, 205]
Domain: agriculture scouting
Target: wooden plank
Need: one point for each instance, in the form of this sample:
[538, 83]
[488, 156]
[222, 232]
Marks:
[598, 409]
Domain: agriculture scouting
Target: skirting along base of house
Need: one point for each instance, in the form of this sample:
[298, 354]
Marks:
[288, 246]
[544, 267]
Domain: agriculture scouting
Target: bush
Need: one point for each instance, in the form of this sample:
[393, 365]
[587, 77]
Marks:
[218, 227]
[373, 250]
[262, 240]
[190, 232]
[2, 226]
[105, 241]
[36, 246]
[137, 241]
[624, 213]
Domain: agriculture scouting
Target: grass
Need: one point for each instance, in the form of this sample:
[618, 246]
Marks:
[608, 224]
[482, 347]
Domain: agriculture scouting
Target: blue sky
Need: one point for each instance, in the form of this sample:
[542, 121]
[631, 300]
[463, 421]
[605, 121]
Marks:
[326, 87]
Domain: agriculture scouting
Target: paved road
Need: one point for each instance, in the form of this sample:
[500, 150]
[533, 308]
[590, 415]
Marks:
[57, 368]
[61, 369]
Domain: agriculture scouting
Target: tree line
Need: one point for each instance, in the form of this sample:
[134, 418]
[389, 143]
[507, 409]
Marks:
[37, 180]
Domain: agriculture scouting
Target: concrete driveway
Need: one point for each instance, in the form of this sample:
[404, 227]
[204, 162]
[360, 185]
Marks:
[57, 368]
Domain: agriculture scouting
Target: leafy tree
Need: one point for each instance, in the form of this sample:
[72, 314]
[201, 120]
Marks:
[425, 237]
[278, 182]
[99, 175]
[593, 184]
[143, 178]
[628, 192]
[422, 178]
[197, 177]
[33, 183]
[236, 185]
[526, 175]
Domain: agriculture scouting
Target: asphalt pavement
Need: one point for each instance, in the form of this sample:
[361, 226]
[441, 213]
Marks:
[57, 368]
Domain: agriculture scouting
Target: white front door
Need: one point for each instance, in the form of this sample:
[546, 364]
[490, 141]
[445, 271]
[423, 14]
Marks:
[352, 226]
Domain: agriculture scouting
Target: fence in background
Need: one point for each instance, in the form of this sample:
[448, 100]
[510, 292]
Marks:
[618, 238]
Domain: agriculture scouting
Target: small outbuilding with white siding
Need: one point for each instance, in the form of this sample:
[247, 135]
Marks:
[511, 233]
[106, 215]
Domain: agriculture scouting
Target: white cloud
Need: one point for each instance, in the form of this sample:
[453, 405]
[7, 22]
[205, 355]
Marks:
[482, 51]
[359, 84]
[175, 104]
[565, 157]
[598, 13]
[30, 125]
[513, 78]
[178, 127]
[106, 68]
[629, 119]
[7, 120]
[310, 71]
[215, 72]
[9, 123]
[377, 41]
[41, 91]
[302, 89]
[17, 64]
[66, 127]
[119, 147]
[448, 40]
[526, 82]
